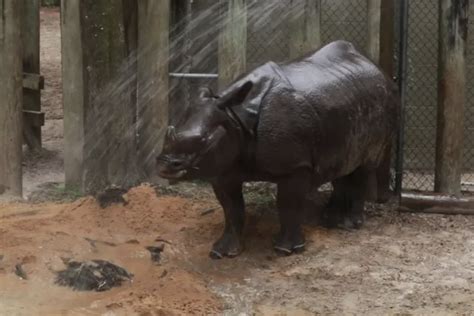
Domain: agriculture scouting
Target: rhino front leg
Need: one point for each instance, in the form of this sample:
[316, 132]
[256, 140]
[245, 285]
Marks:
[292, 193]
[229, 194]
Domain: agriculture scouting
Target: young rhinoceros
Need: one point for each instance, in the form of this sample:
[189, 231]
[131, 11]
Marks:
[330, 116]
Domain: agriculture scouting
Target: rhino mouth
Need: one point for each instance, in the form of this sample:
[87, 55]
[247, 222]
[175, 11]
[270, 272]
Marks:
[178, 174]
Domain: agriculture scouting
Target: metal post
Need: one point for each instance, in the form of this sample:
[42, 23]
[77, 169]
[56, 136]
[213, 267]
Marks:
[402, 69]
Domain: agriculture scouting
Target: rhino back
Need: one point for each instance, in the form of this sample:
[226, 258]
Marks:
[334, 111]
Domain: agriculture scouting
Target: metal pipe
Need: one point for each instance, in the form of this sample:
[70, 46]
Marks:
[402, 83]
[192, 75]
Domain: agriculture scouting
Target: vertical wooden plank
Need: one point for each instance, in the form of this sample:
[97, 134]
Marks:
[177, 61]
[100, 104]
[31, 64]
[453, 26]
[373, 37]
[153, 86]
[387, 36]
[73, 93]
[373, 52]
[386, 62]
[232, 42]
[305, 27]
[11, 99]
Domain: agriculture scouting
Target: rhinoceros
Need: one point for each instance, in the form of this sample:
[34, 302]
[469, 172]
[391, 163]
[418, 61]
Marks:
[327, 117]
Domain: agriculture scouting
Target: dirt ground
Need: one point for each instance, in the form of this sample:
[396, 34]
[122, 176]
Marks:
[398, 263]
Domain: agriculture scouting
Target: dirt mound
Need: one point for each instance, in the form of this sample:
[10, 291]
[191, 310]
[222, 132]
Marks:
[43, 238]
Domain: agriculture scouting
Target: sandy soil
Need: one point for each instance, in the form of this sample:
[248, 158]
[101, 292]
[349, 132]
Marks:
[397, 264]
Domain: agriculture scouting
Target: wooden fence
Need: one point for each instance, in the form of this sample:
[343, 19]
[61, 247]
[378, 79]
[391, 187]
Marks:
[115, 81]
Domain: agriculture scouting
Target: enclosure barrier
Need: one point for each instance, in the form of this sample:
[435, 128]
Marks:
[115, 86]
[33, 82]
[118, 72]
[11, 98]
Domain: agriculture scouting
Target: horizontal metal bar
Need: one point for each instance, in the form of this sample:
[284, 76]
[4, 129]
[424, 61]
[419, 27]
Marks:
[192, 75]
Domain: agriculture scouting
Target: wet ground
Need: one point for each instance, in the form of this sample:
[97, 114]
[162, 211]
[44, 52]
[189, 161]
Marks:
[397, 264]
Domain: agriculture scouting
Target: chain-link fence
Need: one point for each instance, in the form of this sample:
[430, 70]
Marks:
[268, 39]
[422, 94]
[268, 31]
[422, 99]
[468, 175]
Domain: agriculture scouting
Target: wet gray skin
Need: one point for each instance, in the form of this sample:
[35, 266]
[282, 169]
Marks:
[327, 117]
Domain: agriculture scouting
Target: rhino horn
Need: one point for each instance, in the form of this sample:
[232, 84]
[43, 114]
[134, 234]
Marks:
[171, 133]
[205, 93]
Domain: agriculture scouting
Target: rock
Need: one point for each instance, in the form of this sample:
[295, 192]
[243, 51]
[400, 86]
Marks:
[95, 275]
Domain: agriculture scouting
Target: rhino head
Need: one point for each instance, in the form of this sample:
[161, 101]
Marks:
[209, 140]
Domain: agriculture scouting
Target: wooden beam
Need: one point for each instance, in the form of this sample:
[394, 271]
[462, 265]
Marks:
[33, 81]
[153, 86]
[232, 46]
[11, 99]
[387, 37]
[386, 62]
[436, 203]
[374, 9]
[36, 118]
[305, 27]
[453, 25]
[99, 88]
[31, 65]
[73, 93]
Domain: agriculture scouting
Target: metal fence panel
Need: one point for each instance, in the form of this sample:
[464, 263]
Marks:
[268, 39]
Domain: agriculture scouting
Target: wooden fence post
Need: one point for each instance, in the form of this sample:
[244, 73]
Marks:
[305, 27]
[453, 25]
[232, 46]
[380, 41]
[31, 66]
[10, 98]
[374, 29]
[99, 91]
[153, 73]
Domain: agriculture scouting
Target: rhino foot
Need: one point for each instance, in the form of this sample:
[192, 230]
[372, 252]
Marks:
[353, 221]
[286, 244]
[331, 218]
[227, 246]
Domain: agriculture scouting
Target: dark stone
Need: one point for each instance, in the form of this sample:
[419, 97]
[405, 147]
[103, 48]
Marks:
[109, 196]
[95, 275]
[20, 272]
[155, 252]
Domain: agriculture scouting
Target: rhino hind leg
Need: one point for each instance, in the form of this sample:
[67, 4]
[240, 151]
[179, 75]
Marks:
[229, 194]
[290, 203]
[333, 214]
[345, 208]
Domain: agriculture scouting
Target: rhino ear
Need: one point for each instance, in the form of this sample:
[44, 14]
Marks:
[235, 95]
[206, 93]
